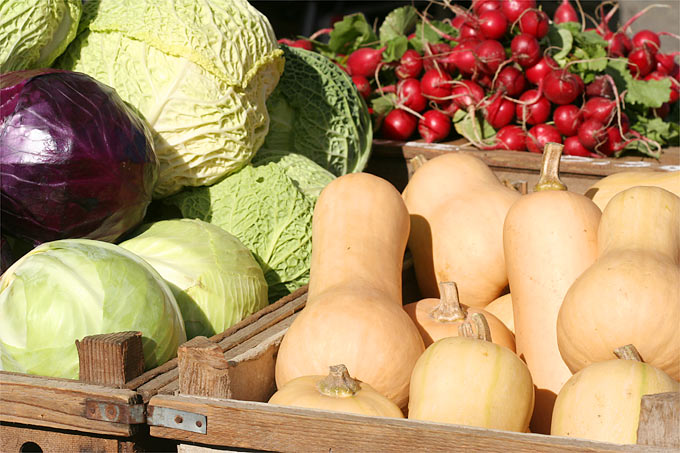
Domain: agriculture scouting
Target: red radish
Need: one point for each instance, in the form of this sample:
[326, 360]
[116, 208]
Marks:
[511, 80]
[562, 87]
[602, 109]
[618, 44]
[567, 118]
[614, 142]
[663, 111]
[499, 112]
[514, 8]
[533, 108]
[463, 57]
[648, 39]
[493, 24]
[469, 30]
[525, 50]
[592, 134]
[573, 147]
[364, 61]
[436, 85]
[481, 6]
[301, 43]
[490, 55]
[467, 94]
[565, 13]
[434, 126]
[410, 94]
[537, 72]
[485, 80]
[665, 63]
[641, 62]
[410, 65]
[449, 108]
[601, 87]
[512, 138]
[363, 85]
[436, 56]
[399, 125]
[541, 134]
[534, 22]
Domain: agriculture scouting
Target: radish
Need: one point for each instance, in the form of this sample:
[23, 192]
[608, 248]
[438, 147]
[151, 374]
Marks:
[601, 87]
[481, 6]
[434, 126]
[663, 111]
[436, 56]
[364, 61]
[562, 87]
[514, 8]
[499, 112]
[511, 80]
[410, 94]
[467, 94]
[449, 108]
[512, 138]
[399, 125]
[665, 63]
[410, 65]
[614, 143]
[618, 44]
[541, 134]
[533, 108]
[537, 72]
[573, 147]
[436, 85]
[567, 118]
[463, 57]
[469, 30]
[493, 24]
[641, 62]
[363, 85]
[301, 43]
[602, 109]
[490, 54]
[648, 39]
[525, 50]
[592, 134]
[565, 13]
[534, 22]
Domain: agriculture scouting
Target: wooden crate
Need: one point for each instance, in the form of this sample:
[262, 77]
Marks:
[217, 402]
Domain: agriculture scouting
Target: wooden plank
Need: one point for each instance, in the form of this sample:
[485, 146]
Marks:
[63, 404]
[202, 369]
[660, 420]
[263, 426]
[19, 438]
[110, 359]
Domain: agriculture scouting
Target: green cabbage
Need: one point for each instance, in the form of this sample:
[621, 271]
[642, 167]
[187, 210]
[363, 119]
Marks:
[262, 207]
[62, 291]
[34, 33]
[200, 72]
[316, 111]
[306, 174]
[213, 276]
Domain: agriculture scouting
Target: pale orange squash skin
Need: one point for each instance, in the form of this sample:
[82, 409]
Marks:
[432, 330]
[550, 238]
[457, 208]
[354, 313]
[604, 189]
[501, 308]
[631, 294]
[602, 401]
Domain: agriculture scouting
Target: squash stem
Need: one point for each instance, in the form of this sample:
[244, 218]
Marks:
[449, 308]
[550, 170]
[483, 332]
[338, 383]
[628, 352]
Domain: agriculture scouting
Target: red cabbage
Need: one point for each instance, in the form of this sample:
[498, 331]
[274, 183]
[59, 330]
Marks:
[75, 160]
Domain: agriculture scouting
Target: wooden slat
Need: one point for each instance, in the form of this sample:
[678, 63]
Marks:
[110, 359]
[660, 420]
[18, 438]
[60, 403]
[263, 426]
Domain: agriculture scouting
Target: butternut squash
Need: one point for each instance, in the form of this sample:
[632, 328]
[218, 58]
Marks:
[603, 190]
[337, 391]
[354, 312]
[468, 380]
[550, 238]
[501, 308]
[602, 401]
[631, 294]
[457, 207]
[441, 318]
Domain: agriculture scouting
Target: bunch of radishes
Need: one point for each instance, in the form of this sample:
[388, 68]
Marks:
[497, 68]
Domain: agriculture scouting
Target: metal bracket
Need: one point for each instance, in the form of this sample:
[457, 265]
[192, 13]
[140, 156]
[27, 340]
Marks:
[177, 419]
[114, 412]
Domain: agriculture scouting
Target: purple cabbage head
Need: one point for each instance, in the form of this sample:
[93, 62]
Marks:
[75, 160]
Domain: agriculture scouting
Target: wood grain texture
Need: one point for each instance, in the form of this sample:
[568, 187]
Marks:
[17, 438]
[263, 426]
[110, 359]
[660, 420]
[60, 403]
[202, 369]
